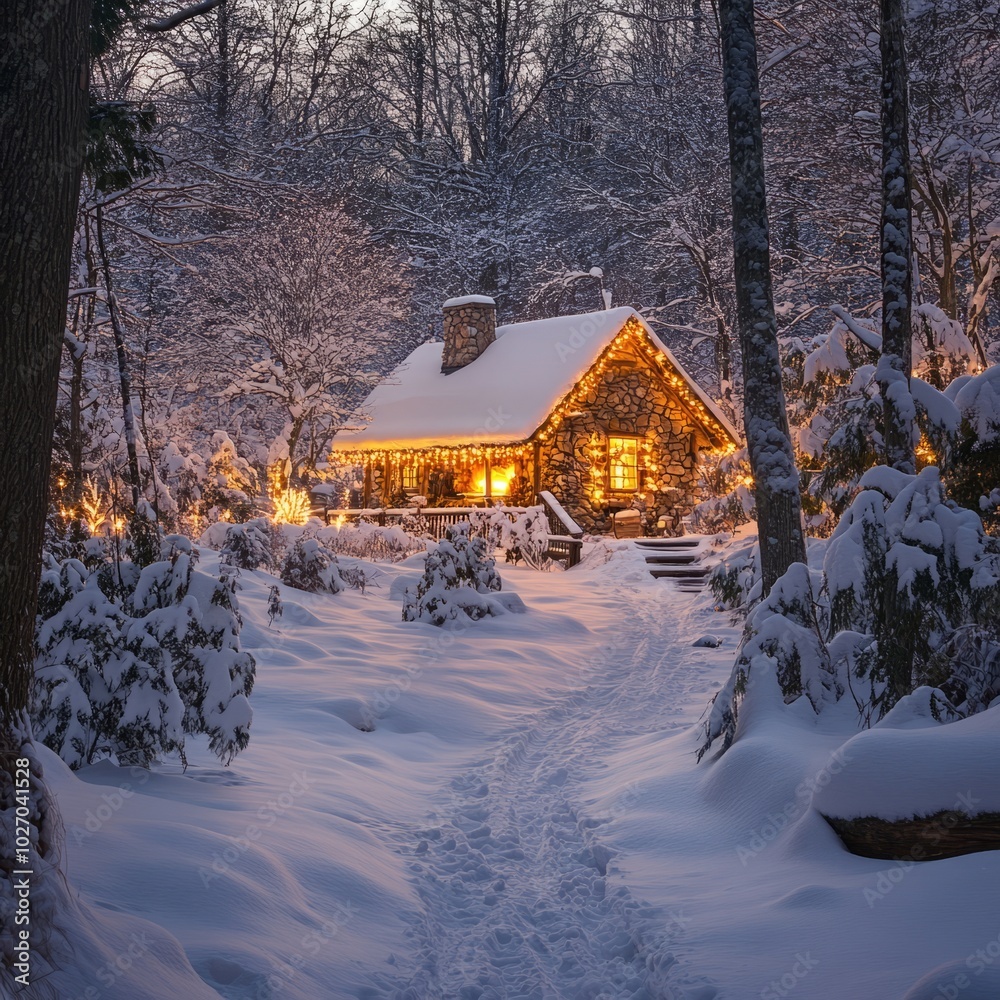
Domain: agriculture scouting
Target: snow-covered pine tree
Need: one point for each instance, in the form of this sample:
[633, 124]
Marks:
[783, 637]
[312, 567]
[909, 596]
[973, 473]
[459, 575]
[230, 483]
[250, 545]
[132, 659]
[915, 580]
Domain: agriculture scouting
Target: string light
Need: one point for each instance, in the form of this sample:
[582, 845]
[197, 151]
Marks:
[503, 456]
[632, 342]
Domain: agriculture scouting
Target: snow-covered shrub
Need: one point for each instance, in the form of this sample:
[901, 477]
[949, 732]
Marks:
[275, 607]
[357, 577]
[724, 513]
[518, 534]
[132, 659]
[784, 637]
[373, 542]
[230, 483]
[459, 576]
[527, 538]
[490, 524]
[249, 545]
[734, 578]
[723, 482]
[311, 566]
[415, 524]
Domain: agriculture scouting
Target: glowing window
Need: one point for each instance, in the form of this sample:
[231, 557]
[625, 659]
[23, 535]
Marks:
[623, 463]
[411, 477]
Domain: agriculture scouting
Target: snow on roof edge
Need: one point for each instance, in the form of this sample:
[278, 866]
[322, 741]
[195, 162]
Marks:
[708, 402]
[351, 439]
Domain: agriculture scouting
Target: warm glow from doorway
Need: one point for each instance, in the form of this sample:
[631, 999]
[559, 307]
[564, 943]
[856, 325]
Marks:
[499, 480]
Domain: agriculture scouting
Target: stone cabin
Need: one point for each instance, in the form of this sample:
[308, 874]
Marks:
[592, 407]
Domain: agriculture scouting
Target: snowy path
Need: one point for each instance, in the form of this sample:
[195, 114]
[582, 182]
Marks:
[520, 816]
[518, 900]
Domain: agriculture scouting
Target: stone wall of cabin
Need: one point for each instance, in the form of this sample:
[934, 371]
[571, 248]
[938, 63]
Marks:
[631, 401]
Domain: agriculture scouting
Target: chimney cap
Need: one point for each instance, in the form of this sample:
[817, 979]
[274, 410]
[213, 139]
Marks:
[469, 300]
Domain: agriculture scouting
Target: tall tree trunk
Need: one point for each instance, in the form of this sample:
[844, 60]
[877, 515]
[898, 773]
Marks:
[498, 94]
[772, 459]
[43, 116]
[893, 372]
[43, 111]
[898, 648]
[124, 379]
[982, 276]
[419, 78]
[76, 351]
[222, 76]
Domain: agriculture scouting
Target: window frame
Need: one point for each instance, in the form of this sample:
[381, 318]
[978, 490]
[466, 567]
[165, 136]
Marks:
[635, 470]
[414, 472]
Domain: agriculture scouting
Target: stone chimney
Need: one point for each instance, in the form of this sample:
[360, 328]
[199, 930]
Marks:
[470, 325]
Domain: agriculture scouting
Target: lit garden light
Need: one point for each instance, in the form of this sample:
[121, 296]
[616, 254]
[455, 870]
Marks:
[291, 507]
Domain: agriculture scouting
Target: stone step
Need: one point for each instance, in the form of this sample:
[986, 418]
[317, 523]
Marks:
[693, 573]
[672, 559]
[668, 543]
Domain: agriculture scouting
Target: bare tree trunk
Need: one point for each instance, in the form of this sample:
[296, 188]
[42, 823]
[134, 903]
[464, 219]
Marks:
[43, 111]
[772, 459]
[893, 372]
[76, 351]
[124, 379]
[982, 276]
[222, 76]
[498, 94]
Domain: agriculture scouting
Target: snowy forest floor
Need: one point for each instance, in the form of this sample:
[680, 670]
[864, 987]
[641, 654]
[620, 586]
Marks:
[508, 811]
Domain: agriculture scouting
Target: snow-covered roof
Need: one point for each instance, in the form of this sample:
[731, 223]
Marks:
[503, 396]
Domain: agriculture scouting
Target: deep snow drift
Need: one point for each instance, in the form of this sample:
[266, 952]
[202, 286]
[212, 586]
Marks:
[513, 809]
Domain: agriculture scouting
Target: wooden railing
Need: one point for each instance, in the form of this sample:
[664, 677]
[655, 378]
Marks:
[565, 536]
[565, 549]
[560, 523]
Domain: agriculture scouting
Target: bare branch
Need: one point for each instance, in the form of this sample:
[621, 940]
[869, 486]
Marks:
[184, 14]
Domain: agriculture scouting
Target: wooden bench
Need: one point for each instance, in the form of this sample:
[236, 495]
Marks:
[627, 524]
